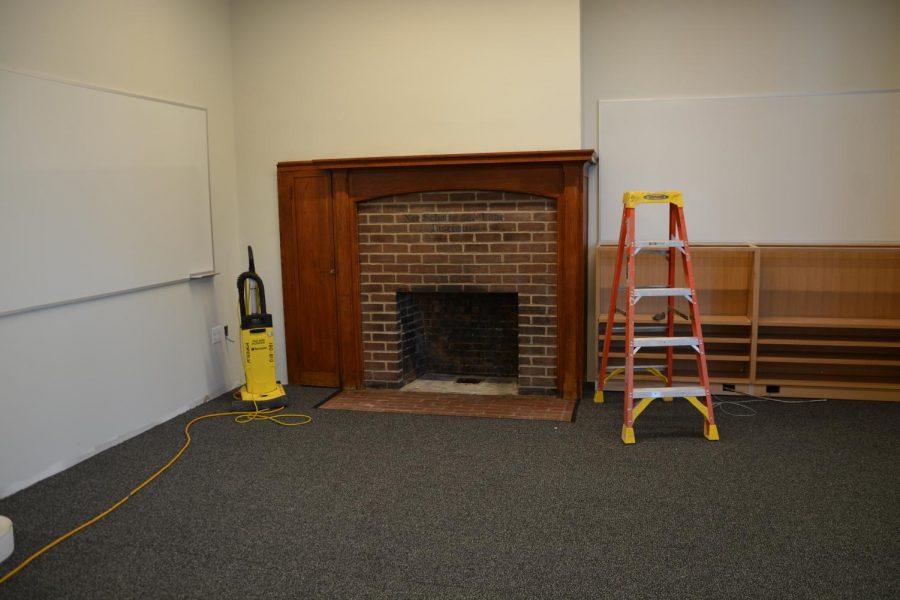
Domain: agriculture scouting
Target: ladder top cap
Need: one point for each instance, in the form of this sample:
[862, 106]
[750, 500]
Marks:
[632, 199]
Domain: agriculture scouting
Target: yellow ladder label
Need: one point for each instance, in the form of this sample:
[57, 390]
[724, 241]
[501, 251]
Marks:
[632, 199]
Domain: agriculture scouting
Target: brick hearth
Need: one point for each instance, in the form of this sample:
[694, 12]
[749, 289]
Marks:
[485, 242]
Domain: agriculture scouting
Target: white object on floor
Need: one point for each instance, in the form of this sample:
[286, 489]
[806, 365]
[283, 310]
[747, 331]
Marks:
[448, 384]
[6, 538]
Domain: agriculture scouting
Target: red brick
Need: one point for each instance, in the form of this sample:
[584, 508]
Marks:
[502, 226]
[410, 279]
[516, 279]
[434, 238]
[461, 237]
[487, 237]
[516, 236]
[462, 279]
[450, 268]
[381, 238]
[435, 279]
[477, 268]
[460, 196]
[498, 268]
[427, 268]
[435, 197]
[548, 279]
[532, 268]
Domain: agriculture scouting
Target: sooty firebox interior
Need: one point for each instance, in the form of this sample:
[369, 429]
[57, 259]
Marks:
[468, 335]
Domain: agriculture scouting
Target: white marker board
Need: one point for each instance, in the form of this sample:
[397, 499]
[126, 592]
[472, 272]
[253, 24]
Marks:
[101, 192]
[794, 169]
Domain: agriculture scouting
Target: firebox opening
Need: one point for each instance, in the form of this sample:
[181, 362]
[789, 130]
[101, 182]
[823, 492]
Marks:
[470, 340]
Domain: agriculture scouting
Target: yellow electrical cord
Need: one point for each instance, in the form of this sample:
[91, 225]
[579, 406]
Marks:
[269, 414]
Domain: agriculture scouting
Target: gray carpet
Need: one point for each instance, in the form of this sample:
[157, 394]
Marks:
[798, 501]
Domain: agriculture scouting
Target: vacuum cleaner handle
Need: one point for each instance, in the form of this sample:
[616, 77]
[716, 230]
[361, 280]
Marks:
[241, 281]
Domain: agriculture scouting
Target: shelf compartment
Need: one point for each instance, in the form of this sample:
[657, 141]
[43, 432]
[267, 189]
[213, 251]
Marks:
[828, 342]
[832, 286]
[783, 373]
[830, 336]
[831, 322]
[705, 320]
[727, 368]
[828, 361]
[804, 317]
[692, 357]
[824, 354]
[723, 277]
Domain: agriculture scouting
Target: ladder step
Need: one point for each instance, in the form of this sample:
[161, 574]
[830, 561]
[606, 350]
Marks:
[668, 392]
[660, 244]
[661, 247]
[662, 291]
[637, 367]
[655, 342]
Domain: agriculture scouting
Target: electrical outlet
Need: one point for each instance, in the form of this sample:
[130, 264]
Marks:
[217, 334]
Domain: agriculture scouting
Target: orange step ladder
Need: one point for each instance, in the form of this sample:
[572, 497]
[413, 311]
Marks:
[670, 249]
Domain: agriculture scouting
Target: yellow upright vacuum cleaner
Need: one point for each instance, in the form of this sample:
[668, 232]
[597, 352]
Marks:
[262, 390]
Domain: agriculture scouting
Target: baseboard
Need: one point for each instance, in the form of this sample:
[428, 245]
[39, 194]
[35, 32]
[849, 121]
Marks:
[62, 465]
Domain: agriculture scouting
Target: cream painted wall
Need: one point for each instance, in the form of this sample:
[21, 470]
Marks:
[391, 77]
[81, 377]
[700, 48]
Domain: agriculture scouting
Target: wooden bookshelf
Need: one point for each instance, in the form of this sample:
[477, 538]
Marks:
[801, 321]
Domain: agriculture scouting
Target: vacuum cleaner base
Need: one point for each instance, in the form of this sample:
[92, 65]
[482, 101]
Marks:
[248, 402]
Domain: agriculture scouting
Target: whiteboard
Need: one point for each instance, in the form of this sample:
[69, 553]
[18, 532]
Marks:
[101, 192]
[795, 169]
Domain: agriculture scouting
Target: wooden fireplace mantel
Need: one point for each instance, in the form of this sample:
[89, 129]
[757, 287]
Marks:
[320, 253]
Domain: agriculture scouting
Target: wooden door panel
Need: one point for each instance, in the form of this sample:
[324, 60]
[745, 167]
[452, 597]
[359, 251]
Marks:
[316, 315]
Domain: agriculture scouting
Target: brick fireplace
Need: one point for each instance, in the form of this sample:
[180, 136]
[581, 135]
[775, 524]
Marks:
[371, 245]
[466, 249]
